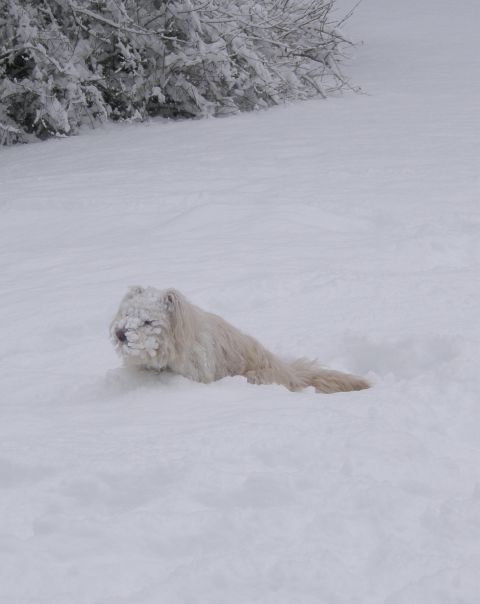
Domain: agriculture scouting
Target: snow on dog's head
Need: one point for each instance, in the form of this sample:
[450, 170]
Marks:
[144, 328]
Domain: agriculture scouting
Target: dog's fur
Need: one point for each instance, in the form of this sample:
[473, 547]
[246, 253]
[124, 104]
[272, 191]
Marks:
[159, 330]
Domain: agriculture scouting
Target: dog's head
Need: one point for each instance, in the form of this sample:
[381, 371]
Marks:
[143, 330]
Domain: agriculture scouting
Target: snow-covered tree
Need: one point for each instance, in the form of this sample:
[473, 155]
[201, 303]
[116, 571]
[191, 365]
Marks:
[65, 63]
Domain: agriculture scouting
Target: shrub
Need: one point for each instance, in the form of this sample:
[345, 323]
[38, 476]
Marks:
[65, 63]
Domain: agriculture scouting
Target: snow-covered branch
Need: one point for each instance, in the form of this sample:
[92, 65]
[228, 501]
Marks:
[64, 63]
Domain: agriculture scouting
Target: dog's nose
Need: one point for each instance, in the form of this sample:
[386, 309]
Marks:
[121, 335]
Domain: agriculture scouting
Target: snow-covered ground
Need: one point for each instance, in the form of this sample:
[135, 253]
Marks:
[346, 229]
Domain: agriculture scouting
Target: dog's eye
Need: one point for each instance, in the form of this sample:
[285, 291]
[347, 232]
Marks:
[147, 322]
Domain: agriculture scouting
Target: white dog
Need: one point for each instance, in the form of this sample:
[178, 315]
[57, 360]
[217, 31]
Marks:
[159, 330]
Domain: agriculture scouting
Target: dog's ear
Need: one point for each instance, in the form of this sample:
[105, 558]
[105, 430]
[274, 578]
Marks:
[172, 298]
[181, 318]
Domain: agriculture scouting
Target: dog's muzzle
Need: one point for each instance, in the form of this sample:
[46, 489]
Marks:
[121, 335]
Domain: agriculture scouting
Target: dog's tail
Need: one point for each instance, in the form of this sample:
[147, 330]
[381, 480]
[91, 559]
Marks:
[310, 373]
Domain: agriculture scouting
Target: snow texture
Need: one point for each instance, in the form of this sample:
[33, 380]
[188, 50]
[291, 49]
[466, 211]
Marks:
[348, 230]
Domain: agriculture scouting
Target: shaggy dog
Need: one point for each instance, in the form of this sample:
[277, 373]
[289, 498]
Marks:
[159, 330]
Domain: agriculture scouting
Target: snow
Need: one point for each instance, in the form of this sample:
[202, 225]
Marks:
[346, 229]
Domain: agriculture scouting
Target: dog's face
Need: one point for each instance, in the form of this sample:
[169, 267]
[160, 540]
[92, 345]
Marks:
[142, 328]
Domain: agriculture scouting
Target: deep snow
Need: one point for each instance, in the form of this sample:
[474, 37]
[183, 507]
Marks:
[347, 229]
